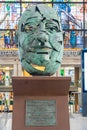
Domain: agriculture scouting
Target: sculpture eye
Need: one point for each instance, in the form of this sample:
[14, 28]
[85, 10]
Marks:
[51, 28]
[26, 28]
[29, 28]
[54, 28]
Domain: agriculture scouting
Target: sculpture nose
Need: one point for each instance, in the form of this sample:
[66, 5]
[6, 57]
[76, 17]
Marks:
[42, 39]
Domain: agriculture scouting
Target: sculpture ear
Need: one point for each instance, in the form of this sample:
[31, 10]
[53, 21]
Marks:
[22, 27]
[63, 35]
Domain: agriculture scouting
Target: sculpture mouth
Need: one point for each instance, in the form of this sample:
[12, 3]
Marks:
[40, 50]
[44, 50]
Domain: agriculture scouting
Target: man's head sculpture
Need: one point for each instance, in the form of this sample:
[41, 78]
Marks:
[40, 40]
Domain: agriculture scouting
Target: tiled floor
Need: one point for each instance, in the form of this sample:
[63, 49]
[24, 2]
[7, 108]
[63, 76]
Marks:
[77, 122]
[5, 121]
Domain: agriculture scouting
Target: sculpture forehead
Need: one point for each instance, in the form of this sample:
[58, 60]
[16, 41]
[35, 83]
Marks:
[39, 11]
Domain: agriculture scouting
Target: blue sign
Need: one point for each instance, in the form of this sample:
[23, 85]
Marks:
[84, 70]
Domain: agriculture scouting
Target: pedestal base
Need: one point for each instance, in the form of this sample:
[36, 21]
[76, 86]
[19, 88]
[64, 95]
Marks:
[51, 93]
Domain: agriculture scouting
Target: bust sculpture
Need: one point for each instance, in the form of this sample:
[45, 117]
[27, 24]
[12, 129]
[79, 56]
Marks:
[40, 40]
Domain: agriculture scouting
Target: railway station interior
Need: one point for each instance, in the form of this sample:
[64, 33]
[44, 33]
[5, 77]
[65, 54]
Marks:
[73, 18]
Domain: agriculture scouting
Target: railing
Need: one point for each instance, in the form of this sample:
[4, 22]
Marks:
[6, 89]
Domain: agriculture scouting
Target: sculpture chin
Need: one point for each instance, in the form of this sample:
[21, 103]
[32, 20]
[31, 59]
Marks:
[41, 68]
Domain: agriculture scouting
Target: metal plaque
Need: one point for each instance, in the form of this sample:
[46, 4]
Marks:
[40, 113]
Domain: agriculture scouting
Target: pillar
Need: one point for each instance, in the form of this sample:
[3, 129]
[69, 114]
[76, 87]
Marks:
[76, 85]
[15, 69]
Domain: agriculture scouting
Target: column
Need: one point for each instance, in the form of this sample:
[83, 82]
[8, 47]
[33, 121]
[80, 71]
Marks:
[19, 69]
[76, 85]
[15, 69]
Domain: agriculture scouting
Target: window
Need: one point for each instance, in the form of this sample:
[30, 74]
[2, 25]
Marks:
[72, 13]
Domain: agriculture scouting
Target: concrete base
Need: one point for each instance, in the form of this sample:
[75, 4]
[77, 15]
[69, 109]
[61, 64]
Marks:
[41, 88]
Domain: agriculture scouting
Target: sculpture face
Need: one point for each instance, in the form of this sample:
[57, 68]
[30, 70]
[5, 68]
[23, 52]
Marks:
[40, 40]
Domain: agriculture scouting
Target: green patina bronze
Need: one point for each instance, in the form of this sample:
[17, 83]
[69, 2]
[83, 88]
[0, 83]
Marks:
[40, 40]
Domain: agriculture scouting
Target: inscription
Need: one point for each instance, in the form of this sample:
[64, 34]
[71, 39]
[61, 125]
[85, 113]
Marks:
[69, 53]
[40, 112]
[8, 53]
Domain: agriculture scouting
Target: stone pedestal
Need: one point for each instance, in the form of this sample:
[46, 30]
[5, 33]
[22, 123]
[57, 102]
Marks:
[40, 103]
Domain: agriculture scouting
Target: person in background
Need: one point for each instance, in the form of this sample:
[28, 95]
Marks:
[3, 76]
[14, 43]
[73, 37]
[6, 101]
[7, 39]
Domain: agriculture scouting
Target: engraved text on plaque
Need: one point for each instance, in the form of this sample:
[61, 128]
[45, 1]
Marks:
[40, 113]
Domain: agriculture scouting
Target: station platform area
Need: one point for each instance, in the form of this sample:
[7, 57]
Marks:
[77, 121]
